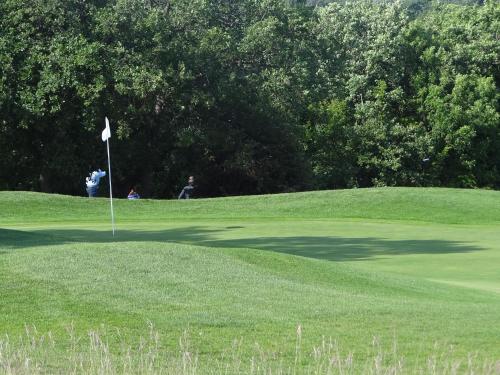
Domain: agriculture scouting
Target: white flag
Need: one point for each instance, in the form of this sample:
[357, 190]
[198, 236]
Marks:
[106, 133]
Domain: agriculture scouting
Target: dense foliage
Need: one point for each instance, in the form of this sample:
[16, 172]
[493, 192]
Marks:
[249, 96]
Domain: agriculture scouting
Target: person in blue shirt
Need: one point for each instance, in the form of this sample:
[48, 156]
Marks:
[188, 190]
[133, 194]
[92, 182]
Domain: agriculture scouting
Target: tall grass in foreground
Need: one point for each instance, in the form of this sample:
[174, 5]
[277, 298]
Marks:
[35, 353]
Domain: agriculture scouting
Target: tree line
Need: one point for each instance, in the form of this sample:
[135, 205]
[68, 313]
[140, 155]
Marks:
[249, 96]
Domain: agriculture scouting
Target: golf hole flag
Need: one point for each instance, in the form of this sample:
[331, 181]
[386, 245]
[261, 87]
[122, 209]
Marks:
[106, 133]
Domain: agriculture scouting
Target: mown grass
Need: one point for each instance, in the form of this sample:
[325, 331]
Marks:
[253, 269]
[435, 205]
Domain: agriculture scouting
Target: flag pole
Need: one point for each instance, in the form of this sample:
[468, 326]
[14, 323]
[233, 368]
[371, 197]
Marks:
[110, 191]
[107, 131]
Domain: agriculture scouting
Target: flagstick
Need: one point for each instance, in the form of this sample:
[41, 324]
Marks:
[110, 190]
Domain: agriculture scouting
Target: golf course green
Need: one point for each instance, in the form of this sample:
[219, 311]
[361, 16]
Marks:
[347, 281]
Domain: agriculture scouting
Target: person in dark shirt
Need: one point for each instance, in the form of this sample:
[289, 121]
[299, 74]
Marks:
[187, 191]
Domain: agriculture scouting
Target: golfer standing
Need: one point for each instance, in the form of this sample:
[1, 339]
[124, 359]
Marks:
[187, 191]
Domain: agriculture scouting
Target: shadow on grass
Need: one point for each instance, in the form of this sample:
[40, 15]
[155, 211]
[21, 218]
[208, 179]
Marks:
[320, 247]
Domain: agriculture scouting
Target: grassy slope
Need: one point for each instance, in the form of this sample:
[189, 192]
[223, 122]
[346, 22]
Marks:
[407, 204]
[197, 265]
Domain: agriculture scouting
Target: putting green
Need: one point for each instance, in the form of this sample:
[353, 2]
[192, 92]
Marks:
[466, 255]
[257, 268]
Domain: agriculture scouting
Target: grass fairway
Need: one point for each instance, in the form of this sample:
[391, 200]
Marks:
[397, 277]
